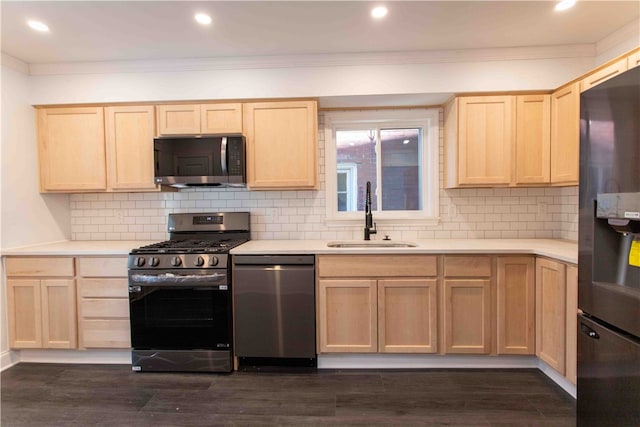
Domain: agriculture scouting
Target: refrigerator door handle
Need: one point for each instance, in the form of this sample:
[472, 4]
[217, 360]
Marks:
[589, 332]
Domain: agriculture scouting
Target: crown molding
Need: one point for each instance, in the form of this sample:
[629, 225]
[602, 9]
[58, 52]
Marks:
[14, 63]
[319, 60]
[631, 31]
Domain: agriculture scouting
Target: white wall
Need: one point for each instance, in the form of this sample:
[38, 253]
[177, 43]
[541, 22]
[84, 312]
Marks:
[27, 217]
[450, 77]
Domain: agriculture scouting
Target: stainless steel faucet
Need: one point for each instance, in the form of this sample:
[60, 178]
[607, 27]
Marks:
[369, 225]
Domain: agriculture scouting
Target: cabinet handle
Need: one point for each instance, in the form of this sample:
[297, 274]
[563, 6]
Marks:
[589, 332]
[223, 155]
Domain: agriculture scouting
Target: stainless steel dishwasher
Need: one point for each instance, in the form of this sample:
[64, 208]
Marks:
[274, 309]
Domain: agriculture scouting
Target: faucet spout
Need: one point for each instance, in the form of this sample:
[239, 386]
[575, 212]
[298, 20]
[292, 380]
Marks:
[369, 226]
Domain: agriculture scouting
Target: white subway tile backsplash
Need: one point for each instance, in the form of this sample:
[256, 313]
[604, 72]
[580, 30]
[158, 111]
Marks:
[473, 213]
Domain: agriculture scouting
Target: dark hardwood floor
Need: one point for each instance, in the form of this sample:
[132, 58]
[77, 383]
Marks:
[112, 395]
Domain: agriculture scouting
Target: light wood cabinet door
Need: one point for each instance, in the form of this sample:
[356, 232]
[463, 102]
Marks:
[72, 149]
[221, 118]
[633, 60]
[25, 314]
[347, 313]
[42, 313]
[281, 144]
[58, 314]
[572, 324]
[603, 74]
[485, 139]
[533, 139]
[565, 135]
[551, 313]
[407, 316]
[179, 119]
[467, 316]
[516, 305]
[130, 131]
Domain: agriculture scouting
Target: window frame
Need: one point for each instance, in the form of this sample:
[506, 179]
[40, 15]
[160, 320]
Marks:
[351, 171]
[428, 119]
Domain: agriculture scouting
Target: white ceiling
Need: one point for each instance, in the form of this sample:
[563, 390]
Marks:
[89, 31]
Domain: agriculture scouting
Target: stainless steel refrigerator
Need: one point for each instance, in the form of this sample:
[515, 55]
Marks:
[608, 389]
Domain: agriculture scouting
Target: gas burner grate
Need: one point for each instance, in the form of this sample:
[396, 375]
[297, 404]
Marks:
[191, 245]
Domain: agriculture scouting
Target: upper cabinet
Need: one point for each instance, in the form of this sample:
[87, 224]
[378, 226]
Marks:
[193, 119]
[498, 140]
[129, 132]
[72, 149]
[633, 60]
[565, 135]
[484, 139]
[603, 74]
[533, 139]
[281, 144]
[96, 149]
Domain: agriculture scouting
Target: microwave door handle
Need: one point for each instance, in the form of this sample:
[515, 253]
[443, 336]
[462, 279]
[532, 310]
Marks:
[223, 155]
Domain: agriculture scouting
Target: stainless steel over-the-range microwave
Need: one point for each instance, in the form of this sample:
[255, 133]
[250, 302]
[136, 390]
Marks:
[208, 160]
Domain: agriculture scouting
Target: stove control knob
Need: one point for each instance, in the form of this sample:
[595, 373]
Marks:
[139, 261]
[198, 262]
[176, 261]
[154, 261]
[213, 261]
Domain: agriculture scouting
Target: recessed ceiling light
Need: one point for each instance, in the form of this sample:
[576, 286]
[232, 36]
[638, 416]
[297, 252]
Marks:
[406, 141]
[203, 18]
[565, 4]
[379, 12]
[38, 26]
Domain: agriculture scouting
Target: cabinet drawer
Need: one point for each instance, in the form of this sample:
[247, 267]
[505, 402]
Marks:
[117, 308]
[377, 265]
[102, 266]
[467, 266]
[38, 266]
[103, 288]
[105, 333]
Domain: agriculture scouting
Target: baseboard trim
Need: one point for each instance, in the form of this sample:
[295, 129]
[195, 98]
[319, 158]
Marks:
[557, 378]
[8, 359]
[110, 357]
[402, 361]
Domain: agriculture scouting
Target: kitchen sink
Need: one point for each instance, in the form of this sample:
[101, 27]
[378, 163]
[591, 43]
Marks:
[371, 244]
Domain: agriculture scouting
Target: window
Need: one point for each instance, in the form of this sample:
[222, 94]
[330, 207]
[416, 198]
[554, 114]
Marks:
[396, 150]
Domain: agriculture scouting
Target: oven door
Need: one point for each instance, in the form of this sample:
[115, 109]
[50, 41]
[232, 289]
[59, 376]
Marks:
[180, 310]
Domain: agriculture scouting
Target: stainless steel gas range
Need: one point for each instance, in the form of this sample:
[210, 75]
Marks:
[180, 294]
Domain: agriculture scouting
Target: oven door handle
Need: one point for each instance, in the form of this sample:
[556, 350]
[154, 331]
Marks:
[171, 279]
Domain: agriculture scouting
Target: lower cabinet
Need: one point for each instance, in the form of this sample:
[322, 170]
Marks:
[41, 303]
[391, 311]
[556, 316]
[103, 303]
[68, 302]
[407, 316]
[467, 316]
[467, 304]
[471, 304]
[515, 307]
[347, 316]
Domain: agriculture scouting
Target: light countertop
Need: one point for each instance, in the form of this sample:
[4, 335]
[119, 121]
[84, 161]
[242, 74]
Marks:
[559, 249]
[79, 247]
[562, 250]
